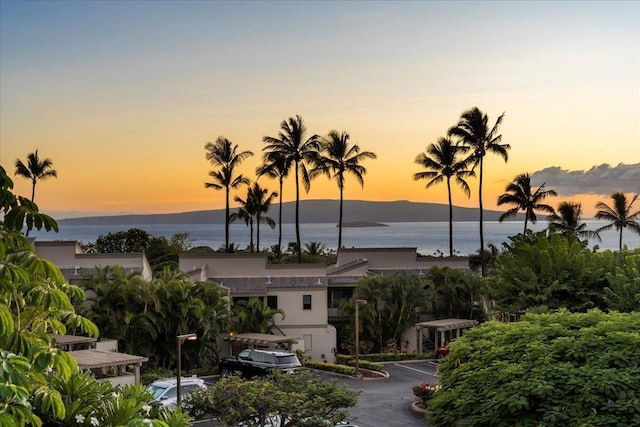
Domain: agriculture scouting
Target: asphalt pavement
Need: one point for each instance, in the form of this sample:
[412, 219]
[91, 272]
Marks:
[384, 402]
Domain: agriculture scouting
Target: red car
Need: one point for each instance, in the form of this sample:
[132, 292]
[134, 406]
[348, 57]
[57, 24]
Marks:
[441, 352]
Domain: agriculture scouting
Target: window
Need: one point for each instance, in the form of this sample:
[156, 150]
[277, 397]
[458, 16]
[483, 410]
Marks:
[272, 301]
[306, 302]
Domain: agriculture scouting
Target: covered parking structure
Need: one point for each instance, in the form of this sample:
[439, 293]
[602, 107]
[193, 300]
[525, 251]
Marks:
[261, 340]
[442, 328]
[110, 365]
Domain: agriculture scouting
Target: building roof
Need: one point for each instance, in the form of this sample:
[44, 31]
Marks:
[91, 359]
[63, 341]
[447, 324]
[261, 339]
[260, 285]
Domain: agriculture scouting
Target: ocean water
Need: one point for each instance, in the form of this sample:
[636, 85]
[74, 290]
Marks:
[430, 238]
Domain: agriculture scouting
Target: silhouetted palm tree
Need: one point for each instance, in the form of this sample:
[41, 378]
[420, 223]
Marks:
[619, 214]
[567, 221]
[224, 154]
[262, 202]
[337, 158]
[276, 165]
[315, 248]
[292, 144]
[474, 132]
[35, 170]
[520, 194]
[441, 163]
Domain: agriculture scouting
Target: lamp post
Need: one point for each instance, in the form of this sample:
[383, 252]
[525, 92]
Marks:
[179, 340]
[358, 302]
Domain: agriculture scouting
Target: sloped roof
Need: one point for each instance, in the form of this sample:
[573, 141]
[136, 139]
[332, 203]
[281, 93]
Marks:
[92, 359]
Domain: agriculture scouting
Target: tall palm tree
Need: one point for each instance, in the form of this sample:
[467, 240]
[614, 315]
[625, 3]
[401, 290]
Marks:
[568, 222]
[474, 132]
[337, 158]
[520, 194]
[292, 144]
[620, 214]
[224, 154]
[276, 165]
[262, 202]
[442, 163]
[35, 170]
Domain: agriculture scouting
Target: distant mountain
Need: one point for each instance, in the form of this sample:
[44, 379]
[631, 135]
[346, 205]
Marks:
[311, 211]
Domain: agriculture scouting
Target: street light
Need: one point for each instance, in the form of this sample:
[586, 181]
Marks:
[179, 340]
[358, 302]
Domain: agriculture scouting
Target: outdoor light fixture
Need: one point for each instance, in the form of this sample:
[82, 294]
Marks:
[179, 340]
[358, 302]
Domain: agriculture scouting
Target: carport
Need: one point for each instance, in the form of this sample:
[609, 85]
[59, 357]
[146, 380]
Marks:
[440, 328]
[99, 361]
[261, 340]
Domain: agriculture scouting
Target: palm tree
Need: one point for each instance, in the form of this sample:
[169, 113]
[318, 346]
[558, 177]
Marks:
[225, 155]
[315, 248]
[278, 166]
[293, 145]
[568, 222]
[35, 170]
[338, 158]
[520, 194]
[619, 214]
[246, 212]
[262, 202]
[441, 163]
[474, 132]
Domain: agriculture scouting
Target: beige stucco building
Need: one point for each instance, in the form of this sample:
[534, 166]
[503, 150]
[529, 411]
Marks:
[309, 294]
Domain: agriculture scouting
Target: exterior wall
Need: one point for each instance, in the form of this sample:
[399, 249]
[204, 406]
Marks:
[323, 340]
[456, 262]
[246, 265]
[290, 300]
[68, 255]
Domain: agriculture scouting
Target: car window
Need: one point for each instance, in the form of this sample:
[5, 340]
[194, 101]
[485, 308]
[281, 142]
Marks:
[156, 391]
[244, 354]
[285, 360]
[171, 393]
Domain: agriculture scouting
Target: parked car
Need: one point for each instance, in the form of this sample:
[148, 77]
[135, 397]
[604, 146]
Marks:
[255, 362]
[165, 391]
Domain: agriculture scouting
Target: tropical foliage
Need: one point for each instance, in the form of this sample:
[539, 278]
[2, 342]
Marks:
[35, 170]
[568, 222]
[562, 369]
[299, 400]
[253, 209]
[442, 163]
[40, 384]
[146, 316]
[295, 150]
[620, 214]
[474, 132]
[555, 272]
[276, 165]
[337, 159]
[520, 194]
[224, 154]
[253, 315]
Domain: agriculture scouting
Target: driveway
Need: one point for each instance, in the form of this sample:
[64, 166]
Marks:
[386, 402]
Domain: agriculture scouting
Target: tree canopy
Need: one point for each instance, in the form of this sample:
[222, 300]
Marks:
[562, 369]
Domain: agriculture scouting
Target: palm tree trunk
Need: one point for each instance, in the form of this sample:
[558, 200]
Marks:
[620, 242]
[298, 216]
[450, 218]
[251, 237]
[258, 234]
[226, 222]
[483, 263]
[526, 217]
[280, 222]
[340, 222]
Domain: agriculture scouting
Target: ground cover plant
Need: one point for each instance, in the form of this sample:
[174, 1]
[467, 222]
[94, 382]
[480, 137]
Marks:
[561, 369]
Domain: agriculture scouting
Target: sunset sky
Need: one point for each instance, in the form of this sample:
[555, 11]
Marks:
[122, 96]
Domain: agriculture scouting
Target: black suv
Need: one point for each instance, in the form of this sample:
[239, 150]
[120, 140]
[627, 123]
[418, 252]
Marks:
[252, 362]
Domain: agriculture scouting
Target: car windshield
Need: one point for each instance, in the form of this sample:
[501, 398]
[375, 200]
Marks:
[156, 391]
[288, 360]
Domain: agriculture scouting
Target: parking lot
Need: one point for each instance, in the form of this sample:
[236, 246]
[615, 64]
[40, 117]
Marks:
[387, 402]
[384, 402]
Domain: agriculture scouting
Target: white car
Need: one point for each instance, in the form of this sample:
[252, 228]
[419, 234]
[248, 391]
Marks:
[166, 392]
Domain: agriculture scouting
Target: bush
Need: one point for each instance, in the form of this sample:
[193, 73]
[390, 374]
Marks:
[560, 369]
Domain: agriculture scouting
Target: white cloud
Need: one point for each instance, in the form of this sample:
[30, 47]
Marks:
[601, 179]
